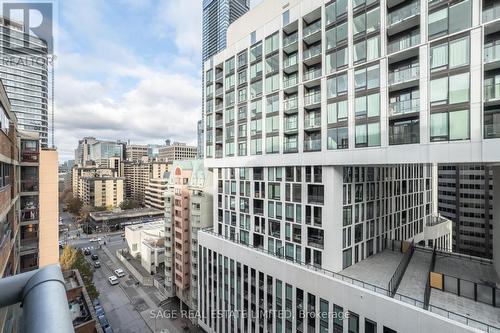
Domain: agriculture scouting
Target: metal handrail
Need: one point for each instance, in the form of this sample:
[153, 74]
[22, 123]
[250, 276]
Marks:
[42, 294]
[380, 290]
[400, 270]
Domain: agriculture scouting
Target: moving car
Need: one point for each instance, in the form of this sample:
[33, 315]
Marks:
[97, 264]
[94, 256]
[95, 239]
[119, 272]
[86, 252]
[113, 280]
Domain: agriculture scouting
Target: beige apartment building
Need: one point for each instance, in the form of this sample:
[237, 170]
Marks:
[176, 152]
[138, 175]
[102, 191]
[188, 209]
[136, 152]
[78, 172]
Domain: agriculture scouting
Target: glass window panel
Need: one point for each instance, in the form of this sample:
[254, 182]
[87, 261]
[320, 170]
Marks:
[360, 134]
[459, 52]
[331, 110]
[439, 90]
[439, 55]
[342, 110]
[439, 126]
[372, 46]
[374, 134]
[373, 20]
[460, 16]
[438, 22]
[330, 38]
[359, 24]
[360, 78]
[342, 32]
[342, 56]
[330, 63]
[360, 106]
[373, 105]
[459, 125]
[459, 88]
[359, 51]
[373, 77]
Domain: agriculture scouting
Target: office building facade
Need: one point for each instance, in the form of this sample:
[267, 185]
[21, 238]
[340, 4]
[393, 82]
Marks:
[323, 120]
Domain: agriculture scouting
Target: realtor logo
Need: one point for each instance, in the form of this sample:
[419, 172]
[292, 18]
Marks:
[36, 18]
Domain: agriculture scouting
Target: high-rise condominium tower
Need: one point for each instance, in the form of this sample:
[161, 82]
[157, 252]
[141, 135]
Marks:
[24, 74]
[323, 122]
[217, 16]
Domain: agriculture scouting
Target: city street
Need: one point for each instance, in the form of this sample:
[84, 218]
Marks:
[128, 306]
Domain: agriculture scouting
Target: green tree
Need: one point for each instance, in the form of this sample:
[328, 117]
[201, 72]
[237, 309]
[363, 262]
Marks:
[129, 204]
[72, 258]
[74, 206]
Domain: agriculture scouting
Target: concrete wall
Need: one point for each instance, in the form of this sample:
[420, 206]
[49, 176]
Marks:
[49, 208]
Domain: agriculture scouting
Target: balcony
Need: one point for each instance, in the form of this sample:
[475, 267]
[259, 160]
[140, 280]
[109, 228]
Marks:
[290, 147]
[29, 213]
[312, 74]
[29, 184]
[404, 107]
[311, 33]
[403, 43]
[291, 105]
[312, 144]
[29, 156]
[312, 52]
[492, 56]
[291, 126]
[491, 92]
[290, 42]
[29, 245]
[219, 91]
[404, 75]
[312, 123]
[219, 76]
[290, 81]
[290, 63]
[312, 99]
[403, 18]
[316, 241]
[491, 13]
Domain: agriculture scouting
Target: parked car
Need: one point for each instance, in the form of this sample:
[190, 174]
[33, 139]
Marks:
[96, 302]
[108, 330]
[86, 252]
[94, 256]
[99, 310]
[97, 264]
[113, 280]
[103, 321]
[119, 272]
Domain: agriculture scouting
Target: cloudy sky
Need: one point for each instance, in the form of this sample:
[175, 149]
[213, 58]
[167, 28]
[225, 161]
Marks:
[127, 69]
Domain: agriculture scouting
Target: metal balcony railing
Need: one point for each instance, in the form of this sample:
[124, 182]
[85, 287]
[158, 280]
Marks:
[42, 293]
[312, 74]
[404, 13]
[312, 144]
[491, 13]
[312, 122]
[290, 81]
[312, 98]
[290, 104]
[404, 75]
[492, 53]
[404, 107]
[312, 52]
[312, 29]
[491, 92]
[403, 43]
[290, 61]
[289, 40]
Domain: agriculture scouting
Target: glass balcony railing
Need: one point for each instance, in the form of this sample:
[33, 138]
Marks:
[29, 185]
[219, 106]
[219, 76]
[290, 147]
[290, 104]
[312, 98]
[312, 29]
[290, 61]
[492, 53]
[289, 40]
[404, 75]
[312, 74]
[312, 52]
[290, 81]
[219, 91]
[30, 213]
[218, 138]
[491, 13]
[315, 241]
[312, 144]
[312, 122]
[291, 126]
[403, 13]
[403, 43]
[219, 123]
[404, 107]
[492, 92]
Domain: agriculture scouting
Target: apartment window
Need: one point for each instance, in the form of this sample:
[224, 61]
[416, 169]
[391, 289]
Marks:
[450, 54]
[367, 22]
[367, 77]
[347, 258]
[242, 149]
[230, 99]
[337, 60]
[272, 83]
[272, 64]
[336, 86]
[255, 127]
[272, 124]
[450, 19]
[450, 90]
[256, 52]
[272, 43]
[450, 125]
[256, 89]
[367, 50]
[286, 17]
[256, 146]
[256, 108]
[353, 323]
[255, 70]
[492, 123]
[337, 138]
[242, 59]
[370, 326]
[367, 106]
[230, 82]
[242, 95]
[368, 135]
[404, 131]
[337, 112]
[272, 103]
